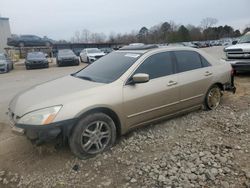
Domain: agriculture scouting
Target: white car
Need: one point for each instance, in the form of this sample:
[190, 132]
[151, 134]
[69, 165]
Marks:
[238, 54]
[89, 55]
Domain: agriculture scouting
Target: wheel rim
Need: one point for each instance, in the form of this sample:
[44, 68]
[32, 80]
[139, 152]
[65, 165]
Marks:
[95, 137]
[214, 97]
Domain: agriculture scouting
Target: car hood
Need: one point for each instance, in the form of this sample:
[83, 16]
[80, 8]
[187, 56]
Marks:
[96, 54]
[55, 92]
[244, 46]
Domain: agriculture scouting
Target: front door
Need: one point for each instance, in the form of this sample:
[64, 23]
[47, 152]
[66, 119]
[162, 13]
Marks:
[158, 97]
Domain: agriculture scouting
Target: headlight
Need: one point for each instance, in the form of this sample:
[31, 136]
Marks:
[40, 117]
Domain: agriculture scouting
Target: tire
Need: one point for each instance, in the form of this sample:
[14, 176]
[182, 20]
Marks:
[7, 69]
[81, 60]
[27, 67]
[87, 136]
[88, 60]
[213, 97]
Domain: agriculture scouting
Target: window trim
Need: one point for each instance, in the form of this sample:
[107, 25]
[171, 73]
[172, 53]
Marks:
[201, 56]
[127, 82]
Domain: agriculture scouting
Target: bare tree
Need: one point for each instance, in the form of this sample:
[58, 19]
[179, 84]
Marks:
[77, 37]
[208, 22]
[85, 35]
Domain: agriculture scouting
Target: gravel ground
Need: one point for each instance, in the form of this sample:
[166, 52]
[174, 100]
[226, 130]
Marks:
[200, 149]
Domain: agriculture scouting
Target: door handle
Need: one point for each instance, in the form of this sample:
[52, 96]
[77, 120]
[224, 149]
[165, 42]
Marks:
[171, 83]
[207, 73]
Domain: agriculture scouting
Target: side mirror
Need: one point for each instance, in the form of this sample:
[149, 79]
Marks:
[140, 78]
[234, 42]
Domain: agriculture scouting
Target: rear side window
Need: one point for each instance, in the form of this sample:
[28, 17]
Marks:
[187, 60]
[157, 65]
[205, 63]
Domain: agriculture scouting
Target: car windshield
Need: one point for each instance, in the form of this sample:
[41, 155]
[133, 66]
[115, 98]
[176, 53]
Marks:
[245, 39]
[109, 68]
[93, 50]
[36, 55]
[65, 52]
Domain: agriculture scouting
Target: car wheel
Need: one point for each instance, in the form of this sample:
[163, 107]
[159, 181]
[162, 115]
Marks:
[7, 69]
[213, 97]
[88, 60]
[92, 135]
[81, 59]
[27, 67]
[21, 44]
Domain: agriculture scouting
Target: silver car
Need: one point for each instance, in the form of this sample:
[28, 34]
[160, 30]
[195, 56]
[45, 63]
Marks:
[5, 63]
[131, 87]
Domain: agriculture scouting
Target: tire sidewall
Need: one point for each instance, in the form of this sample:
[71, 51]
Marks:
[206, 98]
[75, 137]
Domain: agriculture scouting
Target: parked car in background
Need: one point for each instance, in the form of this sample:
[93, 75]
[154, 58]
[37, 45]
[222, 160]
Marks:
[89, 55]
[106, 50]
[238, 54]
[36, 60]
[66, 57]
[190, 44]
[29, 40]
[5, 63]
[177, 44]
[125, 89]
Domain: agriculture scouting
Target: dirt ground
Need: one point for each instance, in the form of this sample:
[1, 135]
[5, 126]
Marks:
[200, 149]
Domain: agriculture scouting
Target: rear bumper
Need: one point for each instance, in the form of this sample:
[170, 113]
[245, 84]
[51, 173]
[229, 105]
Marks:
[230, 86]
[44, 133]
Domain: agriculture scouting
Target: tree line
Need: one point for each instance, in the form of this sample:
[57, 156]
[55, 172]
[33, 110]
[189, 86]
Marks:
[167, 32]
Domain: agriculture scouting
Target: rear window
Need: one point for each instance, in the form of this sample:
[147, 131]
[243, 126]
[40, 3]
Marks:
[187, 60]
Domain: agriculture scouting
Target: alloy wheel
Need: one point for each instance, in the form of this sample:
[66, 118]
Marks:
[214, 97]
[95, 137]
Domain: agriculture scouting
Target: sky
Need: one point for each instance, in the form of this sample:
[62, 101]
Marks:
[60, 19]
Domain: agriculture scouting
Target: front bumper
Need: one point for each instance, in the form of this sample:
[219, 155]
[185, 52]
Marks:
[3, 69]
[44, 133]
[68, 61]
[37, 65]
[239, 64]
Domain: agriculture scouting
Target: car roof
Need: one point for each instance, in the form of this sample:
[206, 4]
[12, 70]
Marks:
[144, 50]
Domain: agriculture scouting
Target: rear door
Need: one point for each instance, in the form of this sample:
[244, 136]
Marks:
[158, 97]
[194, 75]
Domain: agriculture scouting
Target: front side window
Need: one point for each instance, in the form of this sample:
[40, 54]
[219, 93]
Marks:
[187, 60]
[157, 65]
